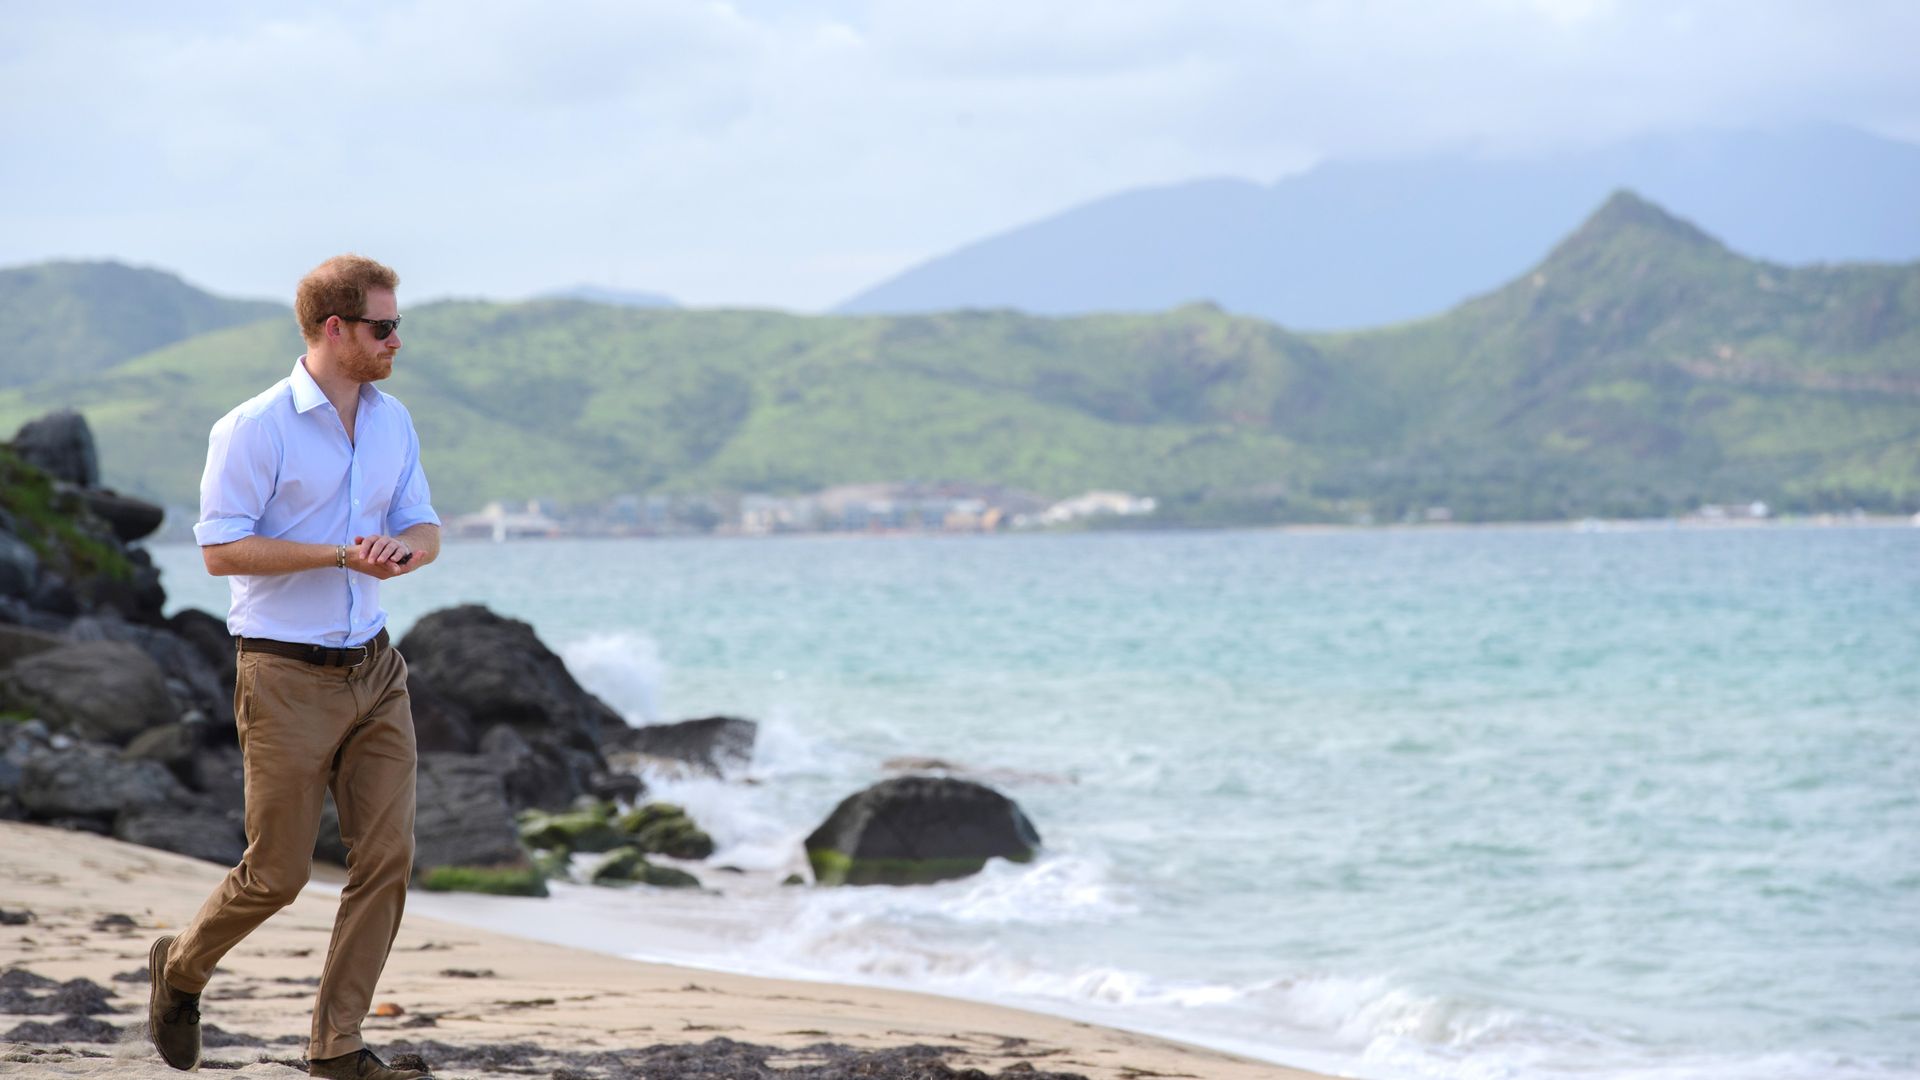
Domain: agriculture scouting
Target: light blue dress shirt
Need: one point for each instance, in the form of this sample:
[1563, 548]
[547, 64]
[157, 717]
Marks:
[281, 466]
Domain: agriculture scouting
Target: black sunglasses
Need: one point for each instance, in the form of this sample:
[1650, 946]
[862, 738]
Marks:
[382, 328]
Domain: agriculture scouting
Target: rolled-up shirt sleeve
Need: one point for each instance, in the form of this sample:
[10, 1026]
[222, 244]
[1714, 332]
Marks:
[412, 502]
[243, 462]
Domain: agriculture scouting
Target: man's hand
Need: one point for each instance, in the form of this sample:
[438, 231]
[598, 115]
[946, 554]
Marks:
[381, 557]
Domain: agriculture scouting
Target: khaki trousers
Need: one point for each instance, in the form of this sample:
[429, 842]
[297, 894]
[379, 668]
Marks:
[305, 730]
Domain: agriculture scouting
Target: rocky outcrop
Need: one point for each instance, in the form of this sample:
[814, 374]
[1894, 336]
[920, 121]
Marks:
[540, 774]
[217, 836]
[715, 745]
[208, 635]
[102, 690]
[501, 673]
[49, 485]
[85, 655]
[461, 818]
[85, 780]
[193, 683]
[61, 445]
[439, 725]
[918, 829]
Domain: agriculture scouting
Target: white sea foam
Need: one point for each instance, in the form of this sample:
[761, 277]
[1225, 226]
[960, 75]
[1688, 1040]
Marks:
[622, 669]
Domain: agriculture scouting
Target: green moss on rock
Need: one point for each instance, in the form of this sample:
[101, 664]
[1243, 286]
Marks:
[495, 881]
[832, 867]
[578, 830]
[629, 865]
[665, 829]
[57, 525]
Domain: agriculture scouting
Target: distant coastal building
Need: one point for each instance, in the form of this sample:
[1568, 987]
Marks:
[1753, 511]
[1096, 504]
[497, 523]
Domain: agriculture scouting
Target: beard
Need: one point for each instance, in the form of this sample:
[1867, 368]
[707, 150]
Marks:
[364, 365]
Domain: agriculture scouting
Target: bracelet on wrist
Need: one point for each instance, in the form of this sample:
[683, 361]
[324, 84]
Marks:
[340, 557]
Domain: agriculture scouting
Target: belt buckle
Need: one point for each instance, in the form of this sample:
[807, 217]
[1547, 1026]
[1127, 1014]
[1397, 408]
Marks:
[365, 654]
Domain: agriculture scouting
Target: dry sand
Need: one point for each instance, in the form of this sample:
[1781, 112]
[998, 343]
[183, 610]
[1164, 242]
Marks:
[470, 989]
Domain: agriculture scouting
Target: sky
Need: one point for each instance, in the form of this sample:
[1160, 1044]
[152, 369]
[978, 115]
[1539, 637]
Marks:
[754, 153]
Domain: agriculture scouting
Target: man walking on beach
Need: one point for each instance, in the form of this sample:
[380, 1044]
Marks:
[313, 494]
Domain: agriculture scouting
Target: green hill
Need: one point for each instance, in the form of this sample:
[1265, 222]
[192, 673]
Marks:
[1641, 368]
[67, 319]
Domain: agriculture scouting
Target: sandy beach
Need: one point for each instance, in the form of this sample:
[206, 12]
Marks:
[476, 1003]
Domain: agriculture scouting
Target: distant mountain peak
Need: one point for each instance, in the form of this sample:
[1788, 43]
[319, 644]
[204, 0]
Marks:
[1626, 209]
[1631, 228]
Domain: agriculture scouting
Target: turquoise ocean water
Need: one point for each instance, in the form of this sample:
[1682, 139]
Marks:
[1641, 802]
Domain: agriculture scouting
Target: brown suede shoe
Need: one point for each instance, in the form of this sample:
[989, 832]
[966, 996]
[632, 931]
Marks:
[362, 1064]
[173, 1017]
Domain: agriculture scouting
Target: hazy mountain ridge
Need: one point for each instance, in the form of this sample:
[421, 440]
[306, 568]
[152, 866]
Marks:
[1364, 243]
[1640, 368]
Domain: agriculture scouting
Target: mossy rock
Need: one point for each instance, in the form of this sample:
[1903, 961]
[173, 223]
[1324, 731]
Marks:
[554, 864]
[66, 536]
[578, 830]
[495, 881]
[665, 829]
[914, 830]
[834, 868]
[629, 865]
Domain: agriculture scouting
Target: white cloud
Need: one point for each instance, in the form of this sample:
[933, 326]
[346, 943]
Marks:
[770, 153]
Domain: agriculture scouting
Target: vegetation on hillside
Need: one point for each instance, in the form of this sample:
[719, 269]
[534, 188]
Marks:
[72, 319]
[1640, 369]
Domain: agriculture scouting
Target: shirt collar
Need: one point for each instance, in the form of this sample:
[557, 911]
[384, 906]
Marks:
[308, 396]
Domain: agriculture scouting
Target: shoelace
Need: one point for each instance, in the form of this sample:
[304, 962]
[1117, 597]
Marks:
[188, 1006]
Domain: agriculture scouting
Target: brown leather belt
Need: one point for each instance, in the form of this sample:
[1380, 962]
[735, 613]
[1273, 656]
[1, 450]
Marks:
[319, 655]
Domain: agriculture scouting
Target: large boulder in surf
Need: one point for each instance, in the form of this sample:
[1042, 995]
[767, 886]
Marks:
[497, 670]
[918, 829]
[714, 745]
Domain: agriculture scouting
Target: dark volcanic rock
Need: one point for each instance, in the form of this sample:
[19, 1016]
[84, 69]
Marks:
[61, 444]
[208, 634]
[75, 997]
[499, 672]
[91, 781]
[438, 724]
[19, 642]
[918, 829]
[219, 773]
[172, 745]
[130, 518]
[53, 595]
[195, 682]
[539, 775]
[461, 818]
[714, 744]
[214, 835]
[715, 1059]
[70, 1030]
[97, 689]
[19, 566]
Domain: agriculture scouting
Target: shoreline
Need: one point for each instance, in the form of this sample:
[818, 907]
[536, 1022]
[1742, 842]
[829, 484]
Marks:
[457, 985]
[1573, 525]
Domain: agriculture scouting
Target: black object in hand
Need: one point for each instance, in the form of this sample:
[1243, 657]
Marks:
[405, 559]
